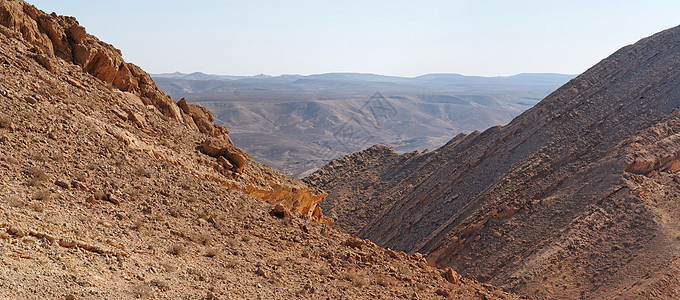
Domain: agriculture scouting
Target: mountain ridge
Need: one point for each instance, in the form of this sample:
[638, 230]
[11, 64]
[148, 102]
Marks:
[568, 185]
[200, 76]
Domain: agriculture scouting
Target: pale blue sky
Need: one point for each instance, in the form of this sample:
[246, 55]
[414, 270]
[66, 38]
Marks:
[406, 38]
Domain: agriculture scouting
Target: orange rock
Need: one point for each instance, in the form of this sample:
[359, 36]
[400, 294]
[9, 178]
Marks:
[451, 276]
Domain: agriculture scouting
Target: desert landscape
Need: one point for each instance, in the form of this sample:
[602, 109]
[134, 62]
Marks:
[105, 194]
[297, 124]
[112, 189]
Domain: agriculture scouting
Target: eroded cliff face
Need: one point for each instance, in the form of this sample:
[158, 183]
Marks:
[570, 198]
[59, 40]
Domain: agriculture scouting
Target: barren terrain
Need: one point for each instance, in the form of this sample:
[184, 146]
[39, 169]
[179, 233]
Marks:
[111, 190]
[297, 124]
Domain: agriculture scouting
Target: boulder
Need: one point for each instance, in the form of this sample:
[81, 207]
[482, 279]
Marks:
[215, 146]
[280, 211]
[236, 156]
[203, 118]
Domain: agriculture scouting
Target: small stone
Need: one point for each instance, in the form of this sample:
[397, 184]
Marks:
[280, 211]
[392, 254]
[63, 184]
[261, 272]
[451, 276]
[225, 163]
[112, 198]
[354, 242]
[443, 292]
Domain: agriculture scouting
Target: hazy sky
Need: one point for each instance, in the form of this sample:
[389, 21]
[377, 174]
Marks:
[406, 38]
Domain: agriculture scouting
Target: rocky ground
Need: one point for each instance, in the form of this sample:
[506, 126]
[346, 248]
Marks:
[109, 191]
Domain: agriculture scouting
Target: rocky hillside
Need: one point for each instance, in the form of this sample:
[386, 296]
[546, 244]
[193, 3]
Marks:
[111, 190]
[576, 197]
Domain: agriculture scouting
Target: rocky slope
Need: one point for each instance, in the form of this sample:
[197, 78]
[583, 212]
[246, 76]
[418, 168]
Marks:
[576, 197]
[111, 190]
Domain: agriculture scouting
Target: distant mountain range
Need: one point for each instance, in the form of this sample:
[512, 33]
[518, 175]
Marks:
[428, 79]
[297, 123]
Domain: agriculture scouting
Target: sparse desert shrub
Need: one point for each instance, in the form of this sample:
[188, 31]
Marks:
[357, 279]
[231, 263]
[43, 195]
[168, 267]
[212, 252]
[173, 212]
[186, 185]
[203, 239]
[142, 291]
[5, 121]
[36, 206]
[58, 156]
[38, 156]
[177, 249]
[143, 172]
[160, 284]
[230, 242]
[14, 201]
[83, 218]
[81, 177]
[384, 280]
[138, 223]
[11, 160]
[37, 176]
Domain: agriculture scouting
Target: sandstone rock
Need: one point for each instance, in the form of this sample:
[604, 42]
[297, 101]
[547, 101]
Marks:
[63, 37]
[225, 163]
[261, 272]
[215, 146]
[77, 33]
[138, 119]
[63, 184]
[451, 276]
[222, 145]
[391, 253]
[44, 61]
[202, 117]
[236, 156]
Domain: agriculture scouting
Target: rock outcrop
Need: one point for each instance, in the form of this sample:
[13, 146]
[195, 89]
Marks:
[576, 197]
[58, 37]
[57, 40]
